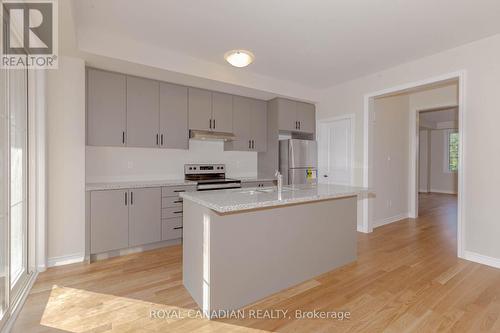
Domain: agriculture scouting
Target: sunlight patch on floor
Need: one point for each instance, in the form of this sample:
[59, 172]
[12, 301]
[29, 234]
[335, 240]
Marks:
[78, 310]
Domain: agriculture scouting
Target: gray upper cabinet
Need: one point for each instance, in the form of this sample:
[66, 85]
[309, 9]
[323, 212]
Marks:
[249, 125]
[108, 220]
[242, 108]
[144, 216]
[306, 117]
[142, 112]
[258, 125]
[173, 116]
[200, 109]
[287, 115]
[296, 116]
[222, 112]
[106, 108]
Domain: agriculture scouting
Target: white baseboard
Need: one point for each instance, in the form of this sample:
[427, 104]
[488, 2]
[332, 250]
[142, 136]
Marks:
[362, 229]
[391, 219]
[434, 190]
[482, 259]
[65, 260]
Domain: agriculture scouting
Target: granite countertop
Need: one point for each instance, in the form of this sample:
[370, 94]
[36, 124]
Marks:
[254, 179]
[116, 185]
[136, 184]
[225, 201]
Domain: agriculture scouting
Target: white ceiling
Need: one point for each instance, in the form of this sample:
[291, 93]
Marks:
[316, 43]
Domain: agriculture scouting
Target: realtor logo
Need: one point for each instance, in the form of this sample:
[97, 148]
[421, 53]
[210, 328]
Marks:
[29, 34]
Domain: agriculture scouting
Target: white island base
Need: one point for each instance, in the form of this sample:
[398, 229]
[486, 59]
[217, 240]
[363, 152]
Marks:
[234, 259]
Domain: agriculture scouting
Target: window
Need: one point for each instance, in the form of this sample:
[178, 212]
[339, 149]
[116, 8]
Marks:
[452, 150]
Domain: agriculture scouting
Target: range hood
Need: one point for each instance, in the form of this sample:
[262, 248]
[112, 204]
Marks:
[211, 135]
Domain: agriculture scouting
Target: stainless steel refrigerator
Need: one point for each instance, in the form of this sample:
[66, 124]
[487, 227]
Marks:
[298, 161]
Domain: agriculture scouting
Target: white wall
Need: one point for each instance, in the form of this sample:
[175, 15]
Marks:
[66, 160]
[480, 62]
[441, 181]
[391, 159]
[115, 164]
[423, 160]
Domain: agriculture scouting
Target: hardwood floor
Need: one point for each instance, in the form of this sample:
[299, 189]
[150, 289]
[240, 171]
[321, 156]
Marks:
[407, 278]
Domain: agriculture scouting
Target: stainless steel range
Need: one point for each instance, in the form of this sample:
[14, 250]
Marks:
[210, 177]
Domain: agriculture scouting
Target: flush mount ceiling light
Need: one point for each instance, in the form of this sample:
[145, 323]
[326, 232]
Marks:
[239, 58]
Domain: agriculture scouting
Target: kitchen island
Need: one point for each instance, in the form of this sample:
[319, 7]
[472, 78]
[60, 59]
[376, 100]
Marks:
[242, 245]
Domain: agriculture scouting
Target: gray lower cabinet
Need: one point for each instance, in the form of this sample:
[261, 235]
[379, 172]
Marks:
[142, 112]
[144, 216]
[108, 220]
[200, 109]
[222, 112]
[174, 116]
[123, 218]
[172, 211]
[106, 108]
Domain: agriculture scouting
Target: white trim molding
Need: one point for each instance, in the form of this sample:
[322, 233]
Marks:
[481, 259]
[65, 260]
[367, 211]
[392, 219]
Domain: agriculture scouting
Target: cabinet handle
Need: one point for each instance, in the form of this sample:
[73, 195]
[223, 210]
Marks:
[178, 212]
[131, 198]
[299, 124]
[161, 139]
[157, 138]
[214, 123]
[179, 190]
[125, 198]
[210, 126]
[177, 228]
[249, 144]
[123, 137]
[177, 201]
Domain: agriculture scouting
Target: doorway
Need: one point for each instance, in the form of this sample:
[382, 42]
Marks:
[370, 120]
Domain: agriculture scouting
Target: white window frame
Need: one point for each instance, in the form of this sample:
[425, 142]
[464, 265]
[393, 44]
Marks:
[446, 166]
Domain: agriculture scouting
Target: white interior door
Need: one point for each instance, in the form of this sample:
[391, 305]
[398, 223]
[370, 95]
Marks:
[335, 151]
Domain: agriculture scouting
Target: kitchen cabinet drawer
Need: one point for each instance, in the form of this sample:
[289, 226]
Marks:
[168, 202]
[173, 191]
[172, 212]
[171, 228]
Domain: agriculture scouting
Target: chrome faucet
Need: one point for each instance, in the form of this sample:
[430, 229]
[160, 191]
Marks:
[279, 178]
